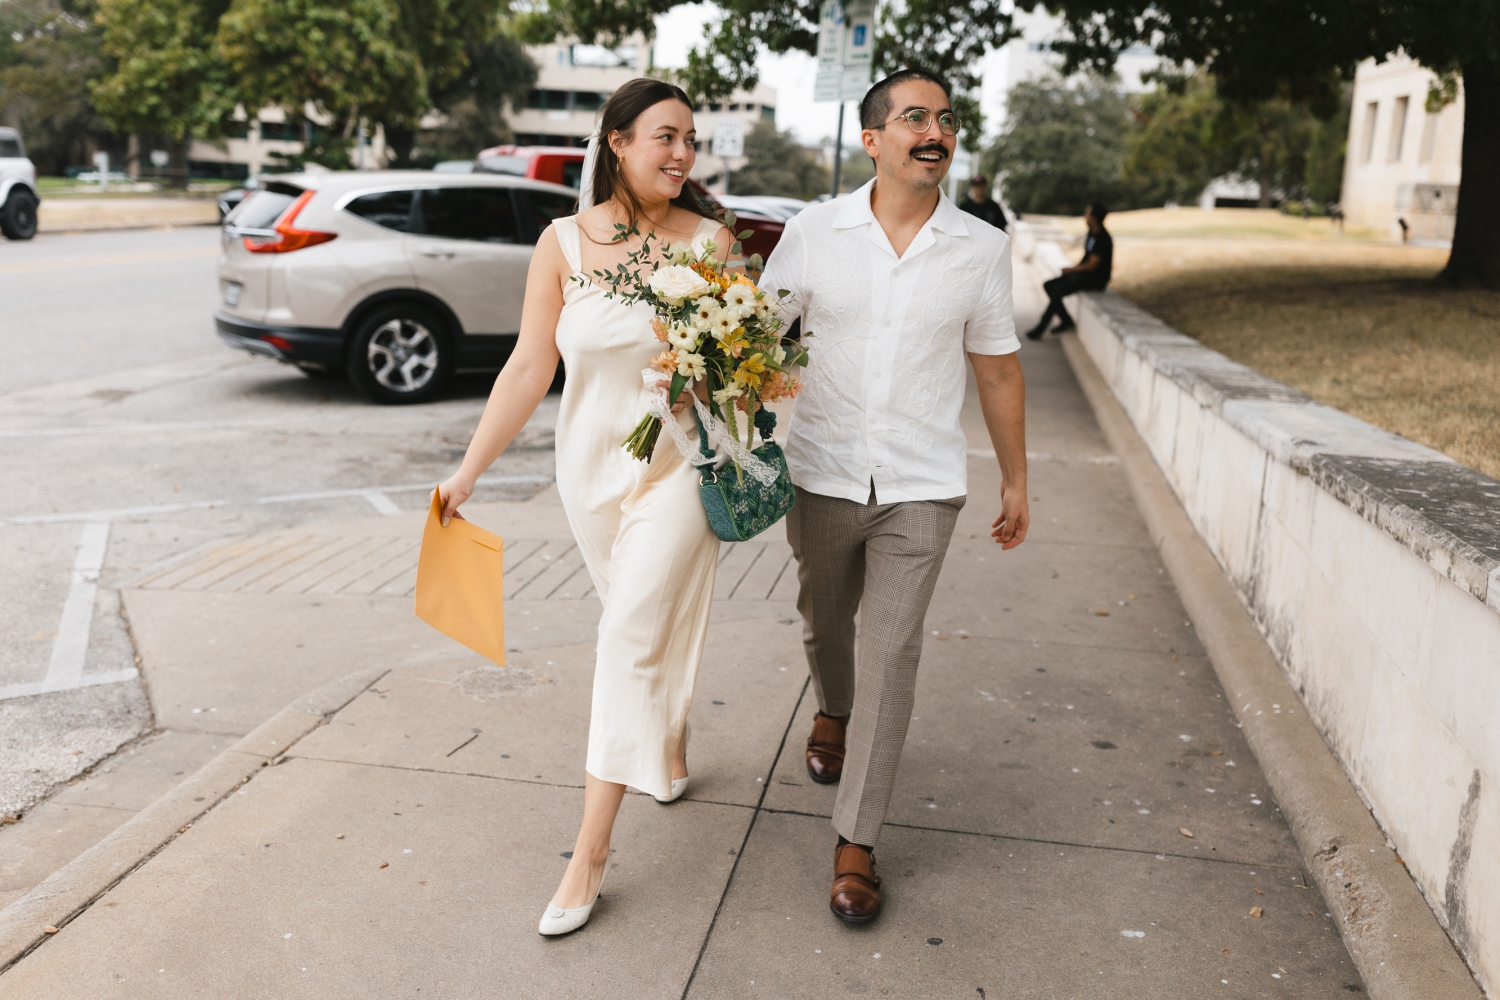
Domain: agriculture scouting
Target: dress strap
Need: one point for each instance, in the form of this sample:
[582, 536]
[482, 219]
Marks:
[567, 236]
[704, 232]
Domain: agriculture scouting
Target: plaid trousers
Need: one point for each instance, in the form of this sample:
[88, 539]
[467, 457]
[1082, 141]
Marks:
[881, 560]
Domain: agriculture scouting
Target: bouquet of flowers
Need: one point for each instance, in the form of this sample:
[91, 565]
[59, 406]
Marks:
[719, 327]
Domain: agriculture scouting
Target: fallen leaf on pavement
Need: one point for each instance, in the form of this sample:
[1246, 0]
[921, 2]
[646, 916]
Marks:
[1185, 831]
[1259, 893]
[1102, 614]
[339, 837]
[49, 929]
[1256, 911]
[387, 864]
[1226, 951]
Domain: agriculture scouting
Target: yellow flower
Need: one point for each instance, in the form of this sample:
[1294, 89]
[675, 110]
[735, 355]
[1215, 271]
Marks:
[749, 372]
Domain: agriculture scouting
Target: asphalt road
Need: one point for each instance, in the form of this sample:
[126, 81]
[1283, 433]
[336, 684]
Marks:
[130, 436]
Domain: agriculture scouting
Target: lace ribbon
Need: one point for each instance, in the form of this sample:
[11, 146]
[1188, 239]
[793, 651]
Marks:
[719, 435]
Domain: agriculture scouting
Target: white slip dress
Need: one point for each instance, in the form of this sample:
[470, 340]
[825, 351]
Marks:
[640, 527]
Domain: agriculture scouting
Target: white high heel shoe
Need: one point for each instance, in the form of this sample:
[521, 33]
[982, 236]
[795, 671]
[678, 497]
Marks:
[679, 785]
[556, 920]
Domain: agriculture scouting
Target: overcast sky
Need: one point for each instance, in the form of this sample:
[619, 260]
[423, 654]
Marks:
[681, 28]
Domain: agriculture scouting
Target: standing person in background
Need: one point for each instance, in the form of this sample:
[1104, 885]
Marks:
[902, 289]
[979, 204]
[1089, 275]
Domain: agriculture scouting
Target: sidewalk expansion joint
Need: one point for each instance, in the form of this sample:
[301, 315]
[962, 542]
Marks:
[1061, 843]
[749, 829]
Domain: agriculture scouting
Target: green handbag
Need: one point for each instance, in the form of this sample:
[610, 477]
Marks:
[741, 507]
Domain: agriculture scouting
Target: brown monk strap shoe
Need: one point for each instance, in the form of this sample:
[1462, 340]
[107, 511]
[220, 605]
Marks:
[825, 748]
[856, 888]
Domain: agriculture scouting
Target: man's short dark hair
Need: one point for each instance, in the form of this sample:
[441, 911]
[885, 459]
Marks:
[1099, 210]
[876, 107]
[979, 180]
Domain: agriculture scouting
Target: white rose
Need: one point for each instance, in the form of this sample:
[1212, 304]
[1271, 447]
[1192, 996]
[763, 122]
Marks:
[675, 283]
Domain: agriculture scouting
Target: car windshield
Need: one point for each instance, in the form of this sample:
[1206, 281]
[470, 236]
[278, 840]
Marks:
[260, 209]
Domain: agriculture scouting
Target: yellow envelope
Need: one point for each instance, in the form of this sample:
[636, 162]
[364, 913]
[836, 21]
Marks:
[461, 582]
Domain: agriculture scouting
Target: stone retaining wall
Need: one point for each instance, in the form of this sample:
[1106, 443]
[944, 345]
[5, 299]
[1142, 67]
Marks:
[1371, 564]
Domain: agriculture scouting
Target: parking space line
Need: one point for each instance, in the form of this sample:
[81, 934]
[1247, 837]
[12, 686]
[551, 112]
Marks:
[381, 502]
[88, 680]
[72, 643]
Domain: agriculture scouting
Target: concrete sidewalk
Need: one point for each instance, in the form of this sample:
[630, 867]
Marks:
[1077, 813]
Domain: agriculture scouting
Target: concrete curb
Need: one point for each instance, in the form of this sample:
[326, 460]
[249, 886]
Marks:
[71, 889]
[1396, 943]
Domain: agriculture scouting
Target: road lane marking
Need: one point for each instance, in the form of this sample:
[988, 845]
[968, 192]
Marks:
[201, 425]
[360, 492]
[134, 258]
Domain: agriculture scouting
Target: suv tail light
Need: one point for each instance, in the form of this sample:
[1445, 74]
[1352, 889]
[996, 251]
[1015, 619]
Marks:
[292, 238]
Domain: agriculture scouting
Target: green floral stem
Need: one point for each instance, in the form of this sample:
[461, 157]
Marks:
[642, 441]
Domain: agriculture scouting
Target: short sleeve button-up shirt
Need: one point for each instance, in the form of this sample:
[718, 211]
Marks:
[889, 335]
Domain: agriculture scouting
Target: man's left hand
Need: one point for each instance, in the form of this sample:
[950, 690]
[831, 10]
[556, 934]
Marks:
[1009, 529]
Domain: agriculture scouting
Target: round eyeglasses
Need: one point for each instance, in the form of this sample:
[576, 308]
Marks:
[920, 120]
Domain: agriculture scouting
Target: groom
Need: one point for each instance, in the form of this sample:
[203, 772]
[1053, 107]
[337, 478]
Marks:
[898, 286]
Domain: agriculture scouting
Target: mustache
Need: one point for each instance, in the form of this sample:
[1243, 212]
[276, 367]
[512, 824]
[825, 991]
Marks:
[931, 147]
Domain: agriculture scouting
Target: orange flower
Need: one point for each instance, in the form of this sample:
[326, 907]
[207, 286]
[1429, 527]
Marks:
[666, 361]
[660, 328]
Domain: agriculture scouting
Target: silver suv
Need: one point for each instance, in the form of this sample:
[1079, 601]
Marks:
[396, 278]
[18, 197]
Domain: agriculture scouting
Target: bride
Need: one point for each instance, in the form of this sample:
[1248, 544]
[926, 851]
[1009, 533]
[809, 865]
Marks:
[640, 526]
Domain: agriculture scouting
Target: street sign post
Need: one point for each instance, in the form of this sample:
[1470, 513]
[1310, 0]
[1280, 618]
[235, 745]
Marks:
[846, 49]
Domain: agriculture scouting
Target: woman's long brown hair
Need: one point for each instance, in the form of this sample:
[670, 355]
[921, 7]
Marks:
[621, 111]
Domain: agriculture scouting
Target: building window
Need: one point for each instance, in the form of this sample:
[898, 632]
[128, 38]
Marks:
[547, 100]
[1368, 153]
[716, 107]
[767, 112]
[1429, 137]
[236, 129]
[1398, 129]
[281, 131]
[587, 100]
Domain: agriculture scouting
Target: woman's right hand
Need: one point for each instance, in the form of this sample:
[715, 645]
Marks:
[454, 491]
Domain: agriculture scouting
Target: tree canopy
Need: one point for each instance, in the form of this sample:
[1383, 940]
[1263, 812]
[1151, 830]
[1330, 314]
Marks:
[778, 166]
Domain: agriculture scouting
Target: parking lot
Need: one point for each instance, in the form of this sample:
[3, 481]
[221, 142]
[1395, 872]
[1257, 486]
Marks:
[132, 437]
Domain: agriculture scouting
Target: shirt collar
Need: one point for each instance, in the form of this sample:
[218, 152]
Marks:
[855, 212]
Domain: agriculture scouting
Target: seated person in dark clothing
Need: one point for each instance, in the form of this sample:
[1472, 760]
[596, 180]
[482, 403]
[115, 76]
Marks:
[1089, 274]
[977, 203]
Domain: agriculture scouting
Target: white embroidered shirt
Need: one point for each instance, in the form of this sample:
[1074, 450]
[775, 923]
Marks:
[889, 337]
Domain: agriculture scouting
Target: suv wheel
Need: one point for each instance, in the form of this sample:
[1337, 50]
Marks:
[400, 354]
[18, 215]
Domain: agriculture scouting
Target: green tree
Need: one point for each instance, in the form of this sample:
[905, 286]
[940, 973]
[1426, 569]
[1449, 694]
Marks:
[1301, 50]
[778, 166]
[1169, 154]
[946, 37]
[497, 72]
[49, 53]
[1062, 147]
[167, 78]
[1324, 178]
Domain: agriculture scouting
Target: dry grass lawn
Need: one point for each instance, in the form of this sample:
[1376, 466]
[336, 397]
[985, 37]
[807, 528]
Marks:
[1355, 324]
